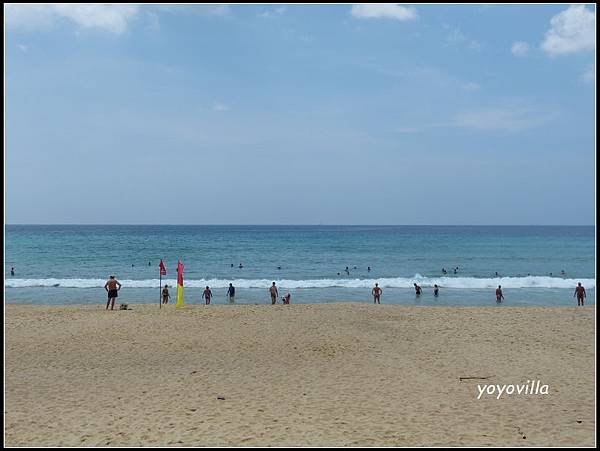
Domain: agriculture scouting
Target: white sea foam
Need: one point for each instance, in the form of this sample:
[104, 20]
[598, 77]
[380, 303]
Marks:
[396, 282]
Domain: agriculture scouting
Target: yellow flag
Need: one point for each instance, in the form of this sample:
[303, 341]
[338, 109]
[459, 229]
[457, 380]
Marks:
[179, 302]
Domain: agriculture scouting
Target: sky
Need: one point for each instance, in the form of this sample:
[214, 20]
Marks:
[300, 114]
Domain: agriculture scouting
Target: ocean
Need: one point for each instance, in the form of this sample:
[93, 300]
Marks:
[69, 264]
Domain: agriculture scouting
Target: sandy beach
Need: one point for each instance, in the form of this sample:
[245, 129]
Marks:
[343, 374]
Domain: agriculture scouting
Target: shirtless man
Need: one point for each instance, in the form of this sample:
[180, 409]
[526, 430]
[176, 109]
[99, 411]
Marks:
[376, 292]
[580, 292]
[274, 293]
[499, 295]
[112, 286]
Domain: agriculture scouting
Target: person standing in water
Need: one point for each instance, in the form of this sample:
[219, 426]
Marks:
[499, 295]
[580, 292]
[231, 293]
[436, 290]
[417, 289]
[112, 286]
[165, 294]
[12, 271]
[274, 293]
[207, 294]
[376, 292]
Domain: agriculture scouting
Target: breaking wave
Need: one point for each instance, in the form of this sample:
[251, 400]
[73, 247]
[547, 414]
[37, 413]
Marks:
[394, 282]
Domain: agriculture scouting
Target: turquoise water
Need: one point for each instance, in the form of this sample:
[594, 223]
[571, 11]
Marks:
[69, 264]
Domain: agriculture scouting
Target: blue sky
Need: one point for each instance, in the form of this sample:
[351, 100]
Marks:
[300, 114]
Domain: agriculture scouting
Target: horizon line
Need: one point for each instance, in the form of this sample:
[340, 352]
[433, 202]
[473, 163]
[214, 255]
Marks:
[304, 225]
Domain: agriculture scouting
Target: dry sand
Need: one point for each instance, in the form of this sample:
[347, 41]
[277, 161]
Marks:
[329, 374]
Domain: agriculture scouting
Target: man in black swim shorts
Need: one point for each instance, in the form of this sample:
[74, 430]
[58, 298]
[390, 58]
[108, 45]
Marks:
[112, 286]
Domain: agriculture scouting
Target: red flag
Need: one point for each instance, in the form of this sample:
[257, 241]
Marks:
[163, 270]
[180, 273]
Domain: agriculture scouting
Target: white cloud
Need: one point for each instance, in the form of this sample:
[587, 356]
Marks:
[589, 76]
[113, 18]
[501, 119]
[456, 37]
[23, 47]
[29, 17]
[152, 21]
[408, 130]
[507, 117]
[475, 45]
[573, 30]
[216, 10]
[471, 86]
[383, 11]
[520, 49]
[273, 12]
[218, 106]
[206, 10]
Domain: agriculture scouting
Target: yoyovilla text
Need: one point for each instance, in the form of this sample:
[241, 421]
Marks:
[530, 388]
